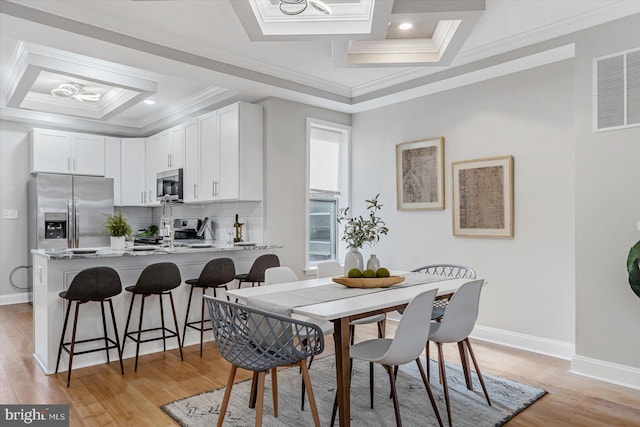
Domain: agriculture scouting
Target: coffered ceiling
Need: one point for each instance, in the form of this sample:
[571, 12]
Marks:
[190, 56]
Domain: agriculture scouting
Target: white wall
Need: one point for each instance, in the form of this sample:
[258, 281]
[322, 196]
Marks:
[14, 175]
[528, 115]
[285, 183]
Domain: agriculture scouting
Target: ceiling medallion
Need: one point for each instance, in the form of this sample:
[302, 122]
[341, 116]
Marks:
[75, 91]
[296, 7]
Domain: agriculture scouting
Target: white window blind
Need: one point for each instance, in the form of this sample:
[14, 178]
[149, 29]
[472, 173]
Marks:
[324, 160]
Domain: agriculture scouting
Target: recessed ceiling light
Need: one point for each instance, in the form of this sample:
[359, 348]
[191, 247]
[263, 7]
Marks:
[149, 101]
[405, 26]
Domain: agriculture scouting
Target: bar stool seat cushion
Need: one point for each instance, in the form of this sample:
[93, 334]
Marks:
[93, 284]
[157, 279]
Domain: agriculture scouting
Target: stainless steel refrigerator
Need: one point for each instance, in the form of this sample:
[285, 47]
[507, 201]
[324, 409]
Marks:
[67, 211]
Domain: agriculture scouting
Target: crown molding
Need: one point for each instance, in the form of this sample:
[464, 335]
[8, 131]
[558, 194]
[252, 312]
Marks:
[574, 24]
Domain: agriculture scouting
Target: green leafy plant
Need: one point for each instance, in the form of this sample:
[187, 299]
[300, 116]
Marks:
[634, 269]
[360, 230]
[116, 225]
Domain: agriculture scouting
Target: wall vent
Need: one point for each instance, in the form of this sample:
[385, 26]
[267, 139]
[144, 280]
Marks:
[616, 91]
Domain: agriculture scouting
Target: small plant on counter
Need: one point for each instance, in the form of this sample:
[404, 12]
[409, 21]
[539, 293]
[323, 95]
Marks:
[360, 230]
[117, 226]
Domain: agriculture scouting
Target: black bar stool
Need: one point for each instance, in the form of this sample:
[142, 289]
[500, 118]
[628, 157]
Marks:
[215, 274]
[256, 273]
[96, 284]
[156, 279]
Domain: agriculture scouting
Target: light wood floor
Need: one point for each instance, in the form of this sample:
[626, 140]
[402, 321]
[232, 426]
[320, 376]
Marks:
[100, 396]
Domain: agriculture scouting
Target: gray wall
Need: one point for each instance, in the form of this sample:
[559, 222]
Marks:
[607, 210]
[285, 175]
[14, 175]
[528, 115]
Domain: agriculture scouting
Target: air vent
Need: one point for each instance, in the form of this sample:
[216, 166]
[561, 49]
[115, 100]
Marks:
[617, 91]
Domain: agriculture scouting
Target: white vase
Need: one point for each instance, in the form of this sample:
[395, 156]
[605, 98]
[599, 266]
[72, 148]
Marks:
[353, 259]
[373, 263]
[117, 243]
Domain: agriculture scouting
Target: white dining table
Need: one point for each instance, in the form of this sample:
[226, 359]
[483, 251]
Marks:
[323, 300]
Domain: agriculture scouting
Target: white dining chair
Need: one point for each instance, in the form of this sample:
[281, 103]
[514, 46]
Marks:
[277, 275]
[455, 327]
[406, 346]
[332, 269]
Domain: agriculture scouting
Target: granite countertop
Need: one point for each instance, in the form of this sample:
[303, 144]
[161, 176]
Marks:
[179, 248]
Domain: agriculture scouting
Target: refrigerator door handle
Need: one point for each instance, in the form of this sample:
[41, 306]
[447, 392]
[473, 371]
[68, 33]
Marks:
[76, 214]
[70, 224]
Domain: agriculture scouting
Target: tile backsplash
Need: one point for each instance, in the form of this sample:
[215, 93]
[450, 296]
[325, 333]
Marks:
[222, 216]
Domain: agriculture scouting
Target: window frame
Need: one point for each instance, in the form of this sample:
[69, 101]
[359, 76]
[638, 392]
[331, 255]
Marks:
[342, 198]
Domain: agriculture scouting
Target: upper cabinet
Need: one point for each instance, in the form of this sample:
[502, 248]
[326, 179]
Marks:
[133, 172]
[113, 166]
[55, 151]
[230, 161]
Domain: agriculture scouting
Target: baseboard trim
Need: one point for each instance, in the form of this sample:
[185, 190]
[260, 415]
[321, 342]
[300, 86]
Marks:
[558, 349]
[614, 373]
[16, 298]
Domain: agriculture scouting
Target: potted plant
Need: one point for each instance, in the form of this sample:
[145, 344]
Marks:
[118, 228]
[361, 230]
[634, 269]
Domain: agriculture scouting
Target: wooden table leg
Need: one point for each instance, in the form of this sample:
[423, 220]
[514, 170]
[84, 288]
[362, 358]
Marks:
[341, 338]
[464, 360]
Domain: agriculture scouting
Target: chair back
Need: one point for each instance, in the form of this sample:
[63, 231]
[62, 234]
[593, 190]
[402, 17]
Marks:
[275, 275]
[461, 313]
[453, 271]
[412, 331]
[329, 269]
[94, 284]
[158, 278]
[217, 272]
[256, 273]
[257, 340]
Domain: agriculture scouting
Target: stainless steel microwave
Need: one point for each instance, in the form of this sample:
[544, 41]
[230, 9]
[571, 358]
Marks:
[170, 183]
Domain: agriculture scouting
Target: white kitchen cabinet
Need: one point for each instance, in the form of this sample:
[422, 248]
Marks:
[113, 167]
[191, 175]
[229, 155]
[54, 151]
[169, 148]
[133, 172]
[155, 161]
[241, 141]
[209, 156]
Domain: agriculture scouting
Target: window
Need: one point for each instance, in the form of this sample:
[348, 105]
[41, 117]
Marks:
[328, 184]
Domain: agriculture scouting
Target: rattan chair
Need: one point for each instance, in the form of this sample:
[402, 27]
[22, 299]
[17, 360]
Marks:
[260, 341]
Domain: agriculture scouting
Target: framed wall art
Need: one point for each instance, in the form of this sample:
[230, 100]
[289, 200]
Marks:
[420, 174]
[483, 197]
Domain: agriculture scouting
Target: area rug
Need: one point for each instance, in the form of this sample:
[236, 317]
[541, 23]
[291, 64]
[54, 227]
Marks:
[468, 408]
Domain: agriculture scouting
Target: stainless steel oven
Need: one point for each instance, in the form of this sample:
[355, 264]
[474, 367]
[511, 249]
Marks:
[170, 183]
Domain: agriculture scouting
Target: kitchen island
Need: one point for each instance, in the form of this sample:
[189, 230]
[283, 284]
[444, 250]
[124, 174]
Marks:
[53, 272]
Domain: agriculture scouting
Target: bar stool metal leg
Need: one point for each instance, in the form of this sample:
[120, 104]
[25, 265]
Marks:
[186, 317]
[115, 331]
[175, 321]
[164, 335]
[139, 332]
[64, 330]
[104, 328]
[73, 342]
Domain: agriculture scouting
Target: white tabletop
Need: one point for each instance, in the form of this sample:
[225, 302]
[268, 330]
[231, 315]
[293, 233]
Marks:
[343, 307]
